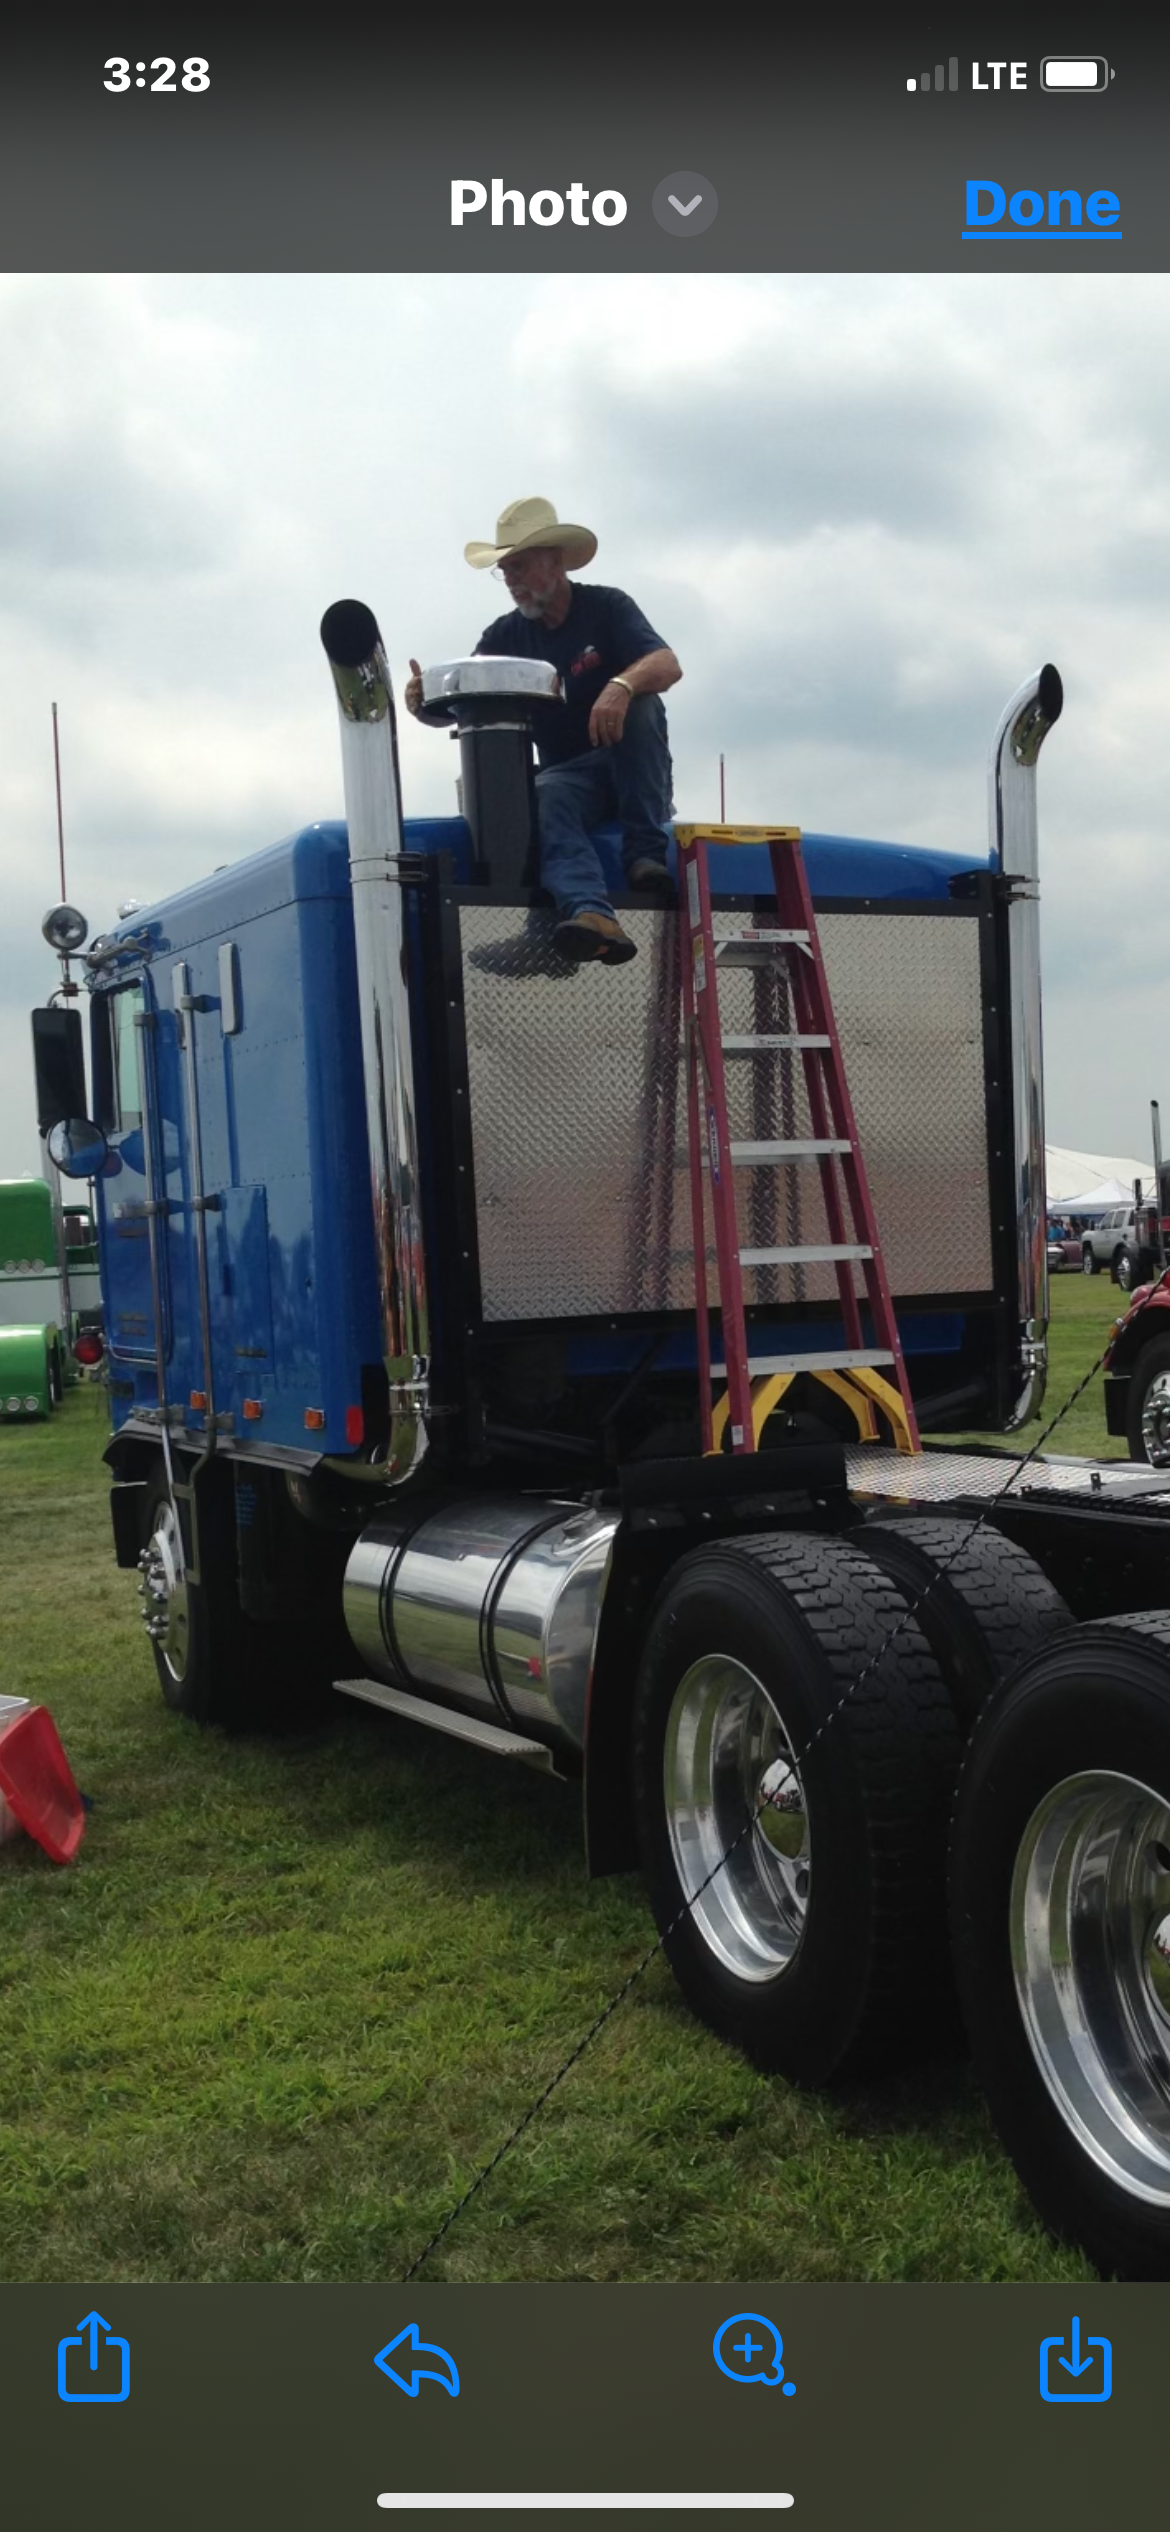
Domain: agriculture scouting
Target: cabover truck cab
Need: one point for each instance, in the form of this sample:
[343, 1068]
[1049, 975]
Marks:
[397, 1264]
[49, 1291]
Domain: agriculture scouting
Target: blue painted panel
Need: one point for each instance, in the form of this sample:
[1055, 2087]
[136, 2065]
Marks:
[282, 1116]
[242, 1272]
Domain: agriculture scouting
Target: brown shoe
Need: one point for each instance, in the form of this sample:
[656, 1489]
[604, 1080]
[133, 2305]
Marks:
[589, 935]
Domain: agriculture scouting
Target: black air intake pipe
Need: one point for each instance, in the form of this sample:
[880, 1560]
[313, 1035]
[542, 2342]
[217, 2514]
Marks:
[491, 702]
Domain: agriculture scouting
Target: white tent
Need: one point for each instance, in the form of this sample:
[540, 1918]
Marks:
[1103, 1199]
[1092, 1182]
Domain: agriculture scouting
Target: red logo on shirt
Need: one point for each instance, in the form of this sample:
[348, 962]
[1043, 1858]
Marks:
[589, 658]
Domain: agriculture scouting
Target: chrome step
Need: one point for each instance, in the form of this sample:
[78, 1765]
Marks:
[462, 1727]
[748, 1155]
[827, 1256]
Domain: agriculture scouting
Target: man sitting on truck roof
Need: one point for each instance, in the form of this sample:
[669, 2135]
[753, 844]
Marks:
[603, 754]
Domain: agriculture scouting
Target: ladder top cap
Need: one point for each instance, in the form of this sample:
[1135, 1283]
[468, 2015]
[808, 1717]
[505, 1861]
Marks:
[738, 834]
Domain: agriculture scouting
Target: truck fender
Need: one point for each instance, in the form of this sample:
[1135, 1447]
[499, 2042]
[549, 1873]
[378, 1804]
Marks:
[1145, 1317]
[640, 1561]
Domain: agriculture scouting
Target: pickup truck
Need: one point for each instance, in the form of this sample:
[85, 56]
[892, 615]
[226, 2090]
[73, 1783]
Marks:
[1116, 1243]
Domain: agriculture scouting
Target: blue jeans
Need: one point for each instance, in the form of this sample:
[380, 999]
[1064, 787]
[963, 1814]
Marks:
[630, 784]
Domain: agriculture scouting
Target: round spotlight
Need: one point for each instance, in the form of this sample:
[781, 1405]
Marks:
[12, 1406]
[64, 929]
[89, 1347]
[32, 1406]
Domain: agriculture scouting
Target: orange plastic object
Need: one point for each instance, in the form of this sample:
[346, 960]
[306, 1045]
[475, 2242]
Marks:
[37, 1784]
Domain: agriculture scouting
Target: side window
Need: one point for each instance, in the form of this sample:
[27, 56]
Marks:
[116, 1060]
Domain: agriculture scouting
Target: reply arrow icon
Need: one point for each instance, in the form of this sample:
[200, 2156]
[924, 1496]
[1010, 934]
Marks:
[412, 2374]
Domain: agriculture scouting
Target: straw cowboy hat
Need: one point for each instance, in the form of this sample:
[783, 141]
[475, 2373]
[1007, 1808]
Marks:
[527, 523]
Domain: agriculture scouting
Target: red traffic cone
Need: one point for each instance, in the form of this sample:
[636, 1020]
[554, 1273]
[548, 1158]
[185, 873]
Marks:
[37, 1784]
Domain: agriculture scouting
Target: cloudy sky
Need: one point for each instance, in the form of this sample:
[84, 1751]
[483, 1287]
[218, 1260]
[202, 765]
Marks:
[861, 510]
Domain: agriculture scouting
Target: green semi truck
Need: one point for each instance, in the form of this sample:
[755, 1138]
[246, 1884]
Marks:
[49, 1294]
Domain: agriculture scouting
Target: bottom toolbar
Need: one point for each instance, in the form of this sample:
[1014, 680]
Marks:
[325, 2405]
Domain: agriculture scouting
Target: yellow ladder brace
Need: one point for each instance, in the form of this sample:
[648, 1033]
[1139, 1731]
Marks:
[857, 1387]
[740, 834]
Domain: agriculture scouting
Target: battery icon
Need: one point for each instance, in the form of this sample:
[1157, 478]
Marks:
[1075, 74]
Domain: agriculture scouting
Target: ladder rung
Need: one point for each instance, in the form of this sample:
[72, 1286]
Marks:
[731, 948]
[762, 1045]
[759, 934]
[746, 1155]
[862, 1358]
[799, 1256]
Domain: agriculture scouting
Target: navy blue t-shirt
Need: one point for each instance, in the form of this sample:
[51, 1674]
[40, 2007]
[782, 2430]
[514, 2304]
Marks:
[602, 634]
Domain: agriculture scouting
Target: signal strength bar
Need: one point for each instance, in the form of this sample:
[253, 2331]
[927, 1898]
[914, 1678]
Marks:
[943, 78]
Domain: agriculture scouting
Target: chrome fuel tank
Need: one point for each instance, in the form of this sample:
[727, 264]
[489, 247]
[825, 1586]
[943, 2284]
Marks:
[489, 1606]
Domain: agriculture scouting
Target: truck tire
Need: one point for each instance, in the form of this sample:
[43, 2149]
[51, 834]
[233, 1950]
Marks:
[1147, 1409]
[214, 1663]
[767, 1669]
[1060, 1905]
[982, 1603]
[190, 1625]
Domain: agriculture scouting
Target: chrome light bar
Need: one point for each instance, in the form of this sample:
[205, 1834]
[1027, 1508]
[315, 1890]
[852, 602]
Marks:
[369, 755]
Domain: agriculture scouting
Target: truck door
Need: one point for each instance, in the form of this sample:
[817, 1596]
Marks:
[127, 1104]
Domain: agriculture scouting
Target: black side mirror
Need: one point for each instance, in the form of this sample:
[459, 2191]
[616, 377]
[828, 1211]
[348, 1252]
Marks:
[59, 1063]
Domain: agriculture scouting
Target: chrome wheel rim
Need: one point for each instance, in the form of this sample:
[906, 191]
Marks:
[727, 1754]
[1090, 1936]
[1156, 1421]
[163, 1593]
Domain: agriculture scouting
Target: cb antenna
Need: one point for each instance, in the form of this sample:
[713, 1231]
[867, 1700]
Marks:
[60, 815]
[63, 928]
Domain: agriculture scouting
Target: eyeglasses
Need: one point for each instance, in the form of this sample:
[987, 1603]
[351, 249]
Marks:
[518, 564]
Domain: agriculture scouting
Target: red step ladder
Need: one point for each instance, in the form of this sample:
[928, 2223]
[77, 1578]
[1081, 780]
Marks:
[865, 1376]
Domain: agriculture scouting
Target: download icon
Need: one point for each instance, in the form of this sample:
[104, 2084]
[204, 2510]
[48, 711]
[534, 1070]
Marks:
[1064, 2377]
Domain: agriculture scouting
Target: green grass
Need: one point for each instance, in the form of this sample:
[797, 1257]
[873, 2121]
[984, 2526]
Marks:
[1083, 1309]
[293, 1993]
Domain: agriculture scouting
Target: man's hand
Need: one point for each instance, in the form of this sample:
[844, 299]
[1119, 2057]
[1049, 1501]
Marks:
[412, 692]
[608, 717]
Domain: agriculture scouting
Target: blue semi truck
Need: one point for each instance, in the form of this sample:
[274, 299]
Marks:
[398, 1280]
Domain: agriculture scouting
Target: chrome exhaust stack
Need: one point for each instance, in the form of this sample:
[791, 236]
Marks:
[1023, 728]
[369, 756]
